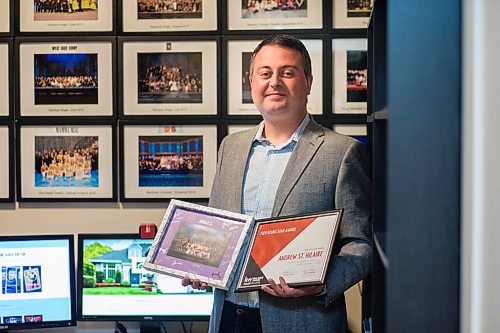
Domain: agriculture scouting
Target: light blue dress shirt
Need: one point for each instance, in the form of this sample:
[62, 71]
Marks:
[265, 167]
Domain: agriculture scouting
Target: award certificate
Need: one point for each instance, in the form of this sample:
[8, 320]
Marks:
[296, 248]
[200, 242]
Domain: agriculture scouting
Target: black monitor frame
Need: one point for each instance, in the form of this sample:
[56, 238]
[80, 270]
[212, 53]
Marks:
[71, 265]
[150, 322]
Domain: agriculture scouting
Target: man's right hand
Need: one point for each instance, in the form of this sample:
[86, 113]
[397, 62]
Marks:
[195, 283]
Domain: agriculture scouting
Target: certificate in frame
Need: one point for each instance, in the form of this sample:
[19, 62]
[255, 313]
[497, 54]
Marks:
[66, 162]
[6, 163]
[352, 14]
[5, 78]
[268, 15]
[200, 242]
[169, 77]
[350, 68]
[297, 248]
[46, 88]
[44, 16]
[239, 100]
[199, 15]
[167, 161]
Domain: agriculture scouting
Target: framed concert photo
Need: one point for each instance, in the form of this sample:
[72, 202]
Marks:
[169, 16]
[167, 161]
[200, 242]
[350, 74]
[66, 163]
[66, 16]
[239, 97]
[169, 77]
[274, 15]
[351, 14]
[7, 178]
[297, 248]
[6, 78]
[6, 17]
[66, 78]
[357, 131]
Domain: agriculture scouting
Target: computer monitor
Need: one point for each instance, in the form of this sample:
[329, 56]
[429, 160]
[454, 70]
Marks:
[38, 282]
[114, 286]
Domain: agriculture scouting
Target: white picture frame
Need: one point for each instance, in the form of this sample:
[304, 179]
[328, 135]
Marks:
[350, 18]
[235, 128]
[201, 55]
[135, 21]
[5, 64]
[156, 178]
[5, 161]
[349, 59]
[261, 18]
[5, 16]
[92, 143]
[235, 71]
[34, 101]
[92, 18]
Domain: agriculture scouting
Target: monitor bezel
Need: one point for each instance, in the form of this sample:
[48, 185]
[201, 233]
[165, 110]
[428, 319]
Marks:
[139, 318]
[71, 264]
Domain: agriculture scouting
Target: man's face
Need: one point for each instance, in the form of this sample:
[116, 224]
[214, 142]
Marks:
[279, 85]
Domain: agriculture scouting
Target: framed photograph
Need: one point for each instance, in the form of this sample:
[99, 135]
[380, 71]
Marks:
[66, 16]
[296, 248]
[234, 128]
[167, 161]
[357, 131]
[66, 163]
[66, 78]
[201, 242]
[351, 14]
[169, 78]
[5, 78]
[350, 74]
[6, 163]
[274, 14]
[239, 53]
[169, 16]
[5, 17]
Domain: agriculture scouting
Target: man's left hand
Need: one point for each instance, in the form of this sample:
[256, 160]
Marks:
[284, 290]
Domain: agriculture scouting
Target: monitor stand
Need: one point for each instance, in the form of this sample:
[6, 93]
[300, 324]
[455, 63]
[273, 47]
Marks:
[150, 327]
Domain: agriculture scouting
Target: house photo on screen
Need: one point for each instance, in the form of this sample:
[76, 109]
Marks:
[111, 268]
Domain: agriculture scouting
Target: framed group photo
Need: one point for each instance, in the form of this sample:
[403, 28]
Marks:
[6, 78]
[239, 98]
[356, 131]
[169, 16]
[66, 78]
[5, 17]
[169, 77]
[7, 179]
[350, 75]
[351, 14]
[274, 14]
[201, 242]
[161, 162]
[66, 16]
[66, 162]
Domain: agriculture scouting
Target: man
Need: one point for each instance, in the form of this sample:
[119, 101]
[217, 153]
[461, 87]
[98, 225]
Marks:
[291, 165]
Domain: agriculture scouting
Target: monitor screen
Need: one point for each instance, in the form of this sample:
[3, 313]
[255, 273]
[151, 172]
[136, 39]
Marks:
[112, 284]
[38, 282]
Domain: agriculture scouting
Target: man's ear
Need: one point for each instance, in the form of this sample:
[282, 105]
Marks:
[309, 81]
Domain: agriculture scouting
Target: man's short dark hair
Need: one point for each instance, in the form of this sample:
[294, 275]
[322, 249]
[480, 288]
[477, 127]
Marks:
[289, 41]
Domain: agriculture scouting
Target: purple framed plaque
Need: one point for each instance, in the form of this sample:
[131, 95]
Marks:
[201, 242]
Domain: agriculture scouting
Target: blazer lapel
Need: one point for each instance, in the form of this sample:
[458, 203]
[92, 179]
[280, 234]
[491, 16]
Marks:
[309, 142]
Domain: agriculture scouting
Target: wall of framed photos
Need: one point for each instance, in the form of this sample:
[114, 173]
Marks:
[122, 90]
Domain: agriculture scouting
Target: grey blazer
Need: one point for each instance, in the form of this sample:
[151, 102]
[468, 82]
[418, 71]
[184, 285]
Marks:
[326, 171]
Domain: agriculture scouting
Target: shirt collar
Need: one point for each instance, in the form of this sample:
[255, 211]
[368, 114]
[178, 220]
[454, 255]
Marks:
[295, 136]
